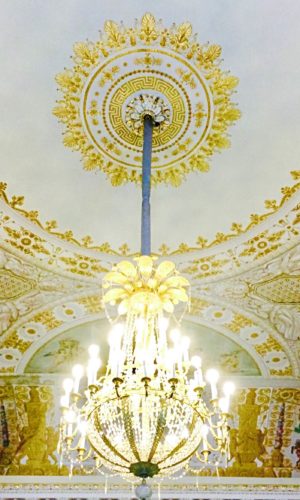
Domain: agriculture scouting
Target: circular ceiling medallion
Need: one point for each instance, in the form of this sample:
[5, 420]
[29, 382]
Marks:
[166, 66]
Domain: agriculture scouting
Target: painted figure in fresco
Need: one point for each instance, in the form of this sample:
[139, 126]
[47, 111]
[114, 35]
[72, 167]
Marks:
[296, 449]
[68, 351]
[230, 362]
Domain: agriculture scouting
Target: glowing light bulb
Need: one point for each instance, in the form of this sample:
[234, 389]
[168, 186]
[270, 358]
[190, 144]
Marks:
[163, 323]
[77, 372]
[198, 377]
[118, 330]
[68, 385]
[115, 336]
[92, 369]
[119, 361]
[64, 401]
[70, 417]
[175, 335]
[82, 427]
[93, 351]
[204, 430]
[185, 344]
[170, 362]
[196, 361]
[212, 376]
[228, 388]
[224, 405]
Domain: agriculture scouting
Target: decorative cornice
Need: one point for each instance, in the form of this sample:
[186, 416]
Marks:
[186, 488]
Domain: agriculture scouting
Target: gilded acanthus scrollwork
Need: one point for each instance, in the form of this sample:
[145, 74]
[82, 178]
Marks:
[158, 61]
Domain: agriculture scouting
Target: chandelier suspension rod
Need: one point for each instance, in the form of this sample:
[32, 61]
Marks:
[146, 186]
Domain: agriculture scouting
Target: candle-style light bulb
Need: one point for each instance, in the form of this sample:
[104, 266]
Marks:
[228, 388]
[70, 419]
[163, 323]
[204, 433]
[67, 386]
[185, 345]
[64, 401]
[93, 351]
[115, 337]
[175, 335]
[170, 362]
[196, 361]
[119, 361]
[212, 377]
[198, 377]
[77, 372]
[82, 428]
[224, 404]
[92, 369]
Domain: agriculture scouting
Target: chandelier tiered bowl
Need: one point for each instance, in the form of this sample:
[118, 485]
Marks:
[150, 410]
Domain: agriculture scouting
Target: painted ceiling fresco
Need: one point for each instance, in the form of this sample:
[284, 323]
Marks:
[62, 228]
[59, 354]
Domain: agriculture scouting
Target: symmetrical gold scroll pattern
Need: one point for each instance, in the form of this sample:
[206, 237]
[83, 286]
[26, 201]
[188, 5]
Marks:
[152, 82]
[193, 67]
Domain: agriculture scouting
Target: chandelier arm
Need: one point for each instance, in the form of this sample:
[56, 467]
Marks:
[146, 186]
[82, 457]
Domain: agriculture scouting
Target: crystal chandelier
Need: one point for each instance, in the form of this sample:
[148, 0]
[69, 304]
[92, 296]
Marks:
[150, 410]
[149, 413]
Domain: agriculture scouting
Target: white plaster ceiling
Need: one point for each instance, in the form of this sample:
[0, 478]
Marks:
[261, 45]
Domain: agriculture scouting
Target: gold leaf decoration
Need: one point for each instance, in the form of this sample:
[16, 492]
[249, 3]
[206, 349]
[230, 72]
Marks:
[212, 53]
[85, 54]
[148, 31]
[115, 38]
[180, 39]
[147, 35]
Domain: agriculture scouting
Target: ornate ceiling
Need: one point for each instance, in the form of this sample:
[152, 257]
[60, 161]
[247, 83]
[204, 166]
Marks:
[240, 252]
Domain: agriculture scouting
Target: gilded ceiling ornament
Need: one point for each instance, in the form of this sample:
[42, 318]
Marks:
[281, 289]
[270, 291]
[13, 286]
[167, 64]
